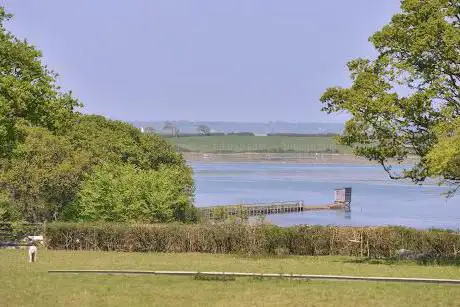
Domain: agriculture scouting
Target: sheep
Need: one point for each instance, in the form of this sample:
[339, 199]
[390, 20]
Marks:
[33, 251]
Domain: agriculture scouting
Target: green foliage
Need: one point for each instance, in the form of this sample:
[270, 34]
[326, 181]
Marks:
[47, 173]
[8, 212]
[444, 158]
[44, 175]
[397, 101]
[28, 91]
[250, 239]
[111, 141]
[126, 194]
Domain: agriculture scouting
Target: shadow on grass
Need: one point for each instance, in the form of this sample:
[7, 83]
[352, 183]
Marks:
[436, 260]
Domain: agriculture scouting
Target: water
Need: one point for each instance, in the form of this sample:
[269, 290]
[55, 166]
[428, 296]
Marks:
[376, 200]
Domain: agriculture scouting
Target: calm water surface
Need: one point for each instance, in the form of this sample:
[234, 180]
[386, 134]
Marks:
[376, 200]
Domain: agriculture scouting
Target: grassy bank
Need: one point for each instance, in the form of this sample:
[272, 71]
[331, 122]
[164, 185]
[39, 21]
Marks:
[258, 144]
[25, 284]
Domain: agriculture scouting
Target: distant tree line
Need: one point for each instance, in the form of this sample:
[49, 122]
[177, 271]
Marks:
[208, 134]
[254, 134]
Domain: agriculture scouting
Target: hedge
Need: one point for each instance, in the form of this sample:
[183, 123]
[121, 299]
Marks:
[242, 238]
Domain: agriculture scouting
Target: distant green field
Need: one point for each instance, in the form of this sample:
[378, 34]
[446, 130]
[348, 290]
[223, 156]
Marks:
[269, 144]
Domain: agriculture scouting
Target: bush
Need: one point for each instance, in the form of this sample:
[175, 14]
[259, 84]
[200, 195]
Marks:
[374, 242]
[124, 193]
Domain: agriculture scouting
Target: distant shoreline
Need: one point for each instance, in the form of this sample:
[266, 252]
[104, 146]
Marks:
[304, 158]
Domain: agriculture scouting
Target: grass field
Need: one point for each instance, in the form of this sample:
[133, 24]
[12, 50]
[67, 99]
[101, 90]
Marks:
[24, 284]
[239, 143]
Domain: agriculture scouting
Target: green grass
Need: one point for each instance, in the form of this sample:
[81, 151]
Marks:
[238, 144]
[24, 284]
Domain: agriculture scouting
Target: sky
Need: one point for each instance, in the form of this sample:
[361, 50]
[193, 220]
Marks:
[238, 60]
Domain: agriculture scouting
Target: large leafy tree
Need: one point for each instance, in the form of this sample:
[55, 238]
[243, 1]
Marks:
[138, 177]
[46, 173]
[28, 91]
[406, 102]
[111, 141]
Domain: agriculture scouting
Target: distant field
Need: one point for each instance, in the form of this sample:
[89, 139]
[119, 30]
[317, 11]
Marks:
[262, 144]
[24, 284]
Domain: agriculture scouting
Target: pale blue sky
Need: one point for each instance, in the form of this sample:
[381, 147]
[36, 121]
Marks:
[238, 60]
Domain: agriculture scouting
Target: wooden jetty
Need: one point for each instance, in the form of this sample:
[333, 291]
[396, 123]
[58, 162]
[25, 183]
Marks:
[247, 210]
[342, 202]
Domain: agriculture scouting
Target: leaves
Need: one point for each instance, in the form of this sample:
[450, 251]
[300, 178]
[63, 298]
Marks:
[127, 194]
[112, 141]
[44, 174]
[399, 100]
[444, 158]
[28, 91]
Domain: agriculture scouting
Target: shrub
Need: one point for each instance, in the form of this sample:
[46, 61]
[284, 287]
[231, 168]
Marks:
[228, 238]
[124, 193]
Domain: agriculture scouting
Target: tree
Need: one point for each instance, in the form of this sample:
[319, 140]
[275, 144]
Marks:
[150, 130]
[124, 193]
[405, 102]
[111, 141]
[46, 171]
[43, 175]
[203, 130]
[28, 91]
[170, 126]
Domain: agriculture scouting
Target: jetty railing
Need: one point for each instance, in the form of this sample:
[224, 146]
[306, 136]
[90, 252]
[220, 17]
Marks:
[342, 201]
[260, 209]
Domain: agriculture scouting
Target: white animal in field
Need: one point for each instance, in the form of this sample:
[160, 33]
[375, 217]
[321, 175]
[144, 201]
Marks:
[33, 250]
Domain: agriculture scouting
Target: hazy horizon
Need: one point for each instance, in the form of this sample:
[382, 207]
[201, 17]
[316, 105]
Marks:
[228, 121]
[254, 127]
